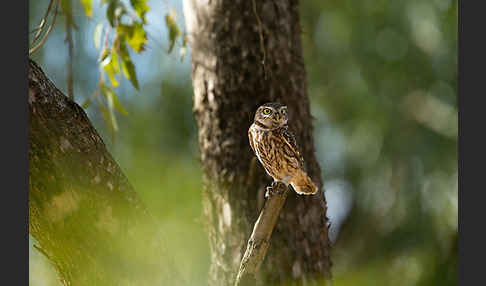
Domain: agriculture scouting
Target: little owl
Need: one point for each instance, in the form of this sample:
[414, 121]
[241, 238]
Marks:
[276, 148]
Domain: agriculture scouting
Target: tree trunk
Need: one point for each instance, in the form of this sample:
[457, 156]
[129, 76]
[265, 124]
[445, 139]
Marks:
[244, 54]
[83, 212]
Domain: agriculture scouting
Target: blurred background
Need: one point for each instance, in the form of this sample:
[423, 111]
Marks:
[382, 82]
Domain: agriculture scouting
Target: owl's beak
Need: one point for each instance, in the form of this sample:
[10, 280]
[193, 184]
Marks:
[277, 120]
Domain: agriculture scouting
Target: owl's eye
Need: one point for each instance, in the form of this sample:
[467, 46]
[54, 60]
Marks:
[284, 111]
[267, 111]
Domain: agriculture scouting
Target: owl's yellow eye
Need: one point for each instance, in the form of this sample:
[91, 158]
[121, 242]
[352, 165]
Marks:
[267, 111]
[284, 111]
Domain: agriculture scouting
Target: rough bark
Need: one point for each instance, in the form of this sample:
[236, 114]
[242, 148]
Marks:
[83, 212]
[229, 83]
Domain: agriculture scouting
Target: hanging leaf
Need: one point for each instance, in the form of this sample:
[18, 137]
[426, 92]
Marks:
[174, 32]
[127, 65]
[129, 71]
[110, 124]
[134, 35]
[111, 107]
[111, 96]
[88, 9]
[98, 33]
[118, 106]
[115, 11]
[141, 7]
[114, 61]
[112, 67]
[110, 12]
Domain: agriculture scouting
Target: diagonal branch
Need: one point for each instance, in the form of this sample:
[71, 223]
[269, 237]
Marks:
[260, 237]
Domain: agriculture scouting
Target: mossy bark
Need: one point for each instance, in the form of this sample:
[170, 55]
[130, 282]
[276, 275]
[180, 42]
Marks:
[83, 212]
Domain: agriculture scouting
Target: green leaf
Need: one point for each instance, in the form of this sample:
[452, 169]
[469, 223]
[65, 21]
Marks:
[134, 35]
[119, 106]
[98, 32]
[88, 9]
[174, 32]
[108, 93]
[112, 67]
[109, 121]
[114, 61]
[111, 97]
[114, 12]
[127, 65]
[129, 71]
[110, 12]
[141, 7]
[111, 74]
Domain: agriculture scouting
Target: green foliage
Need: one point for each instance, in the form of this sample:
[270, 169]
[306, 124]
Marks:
[88, 8]
[134, 35]
[126, 29]
[174, 31]
[127, 65]
[382, 79]
[115, 58]
[112, 99]
[111, 66]
[141, 8]
[114, 7]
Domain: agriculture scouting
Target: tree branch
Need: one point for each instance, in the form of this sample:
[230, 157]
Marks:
[69, 65]
[43, 40]
[39, 28]
[260, 237]
[83, 212]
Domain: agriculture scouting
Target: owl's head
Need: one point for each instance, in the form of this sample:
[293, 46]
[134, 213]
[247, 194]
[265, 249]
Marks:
[271, 115]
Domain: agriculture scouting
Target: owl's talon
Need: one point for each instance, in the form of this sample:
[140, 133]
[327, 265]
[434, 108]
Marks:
[272, 189]
[268, 192]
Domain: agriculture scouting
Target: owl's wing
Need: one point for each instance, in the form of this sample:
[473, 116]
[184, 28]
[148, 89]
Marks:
[290, 141]
[250, 137]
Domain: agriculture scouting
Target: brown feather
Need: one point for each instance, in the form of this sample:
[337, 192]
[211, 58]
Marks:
[277, 150]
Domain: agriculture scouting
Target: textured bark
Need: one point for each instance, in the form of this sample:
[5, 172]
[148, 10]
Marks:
[229, 84]
[83, 212]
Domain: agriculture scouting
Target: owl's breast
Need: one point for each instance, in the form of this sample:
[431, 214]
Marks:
[270, 151]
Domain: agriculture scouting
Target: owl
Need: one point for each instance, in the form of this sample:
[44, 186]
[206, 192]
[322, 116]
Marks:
[276, 148]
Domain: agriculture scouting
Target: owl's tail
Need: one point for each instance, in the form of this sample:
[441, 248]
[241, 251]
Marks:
[302, 184]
